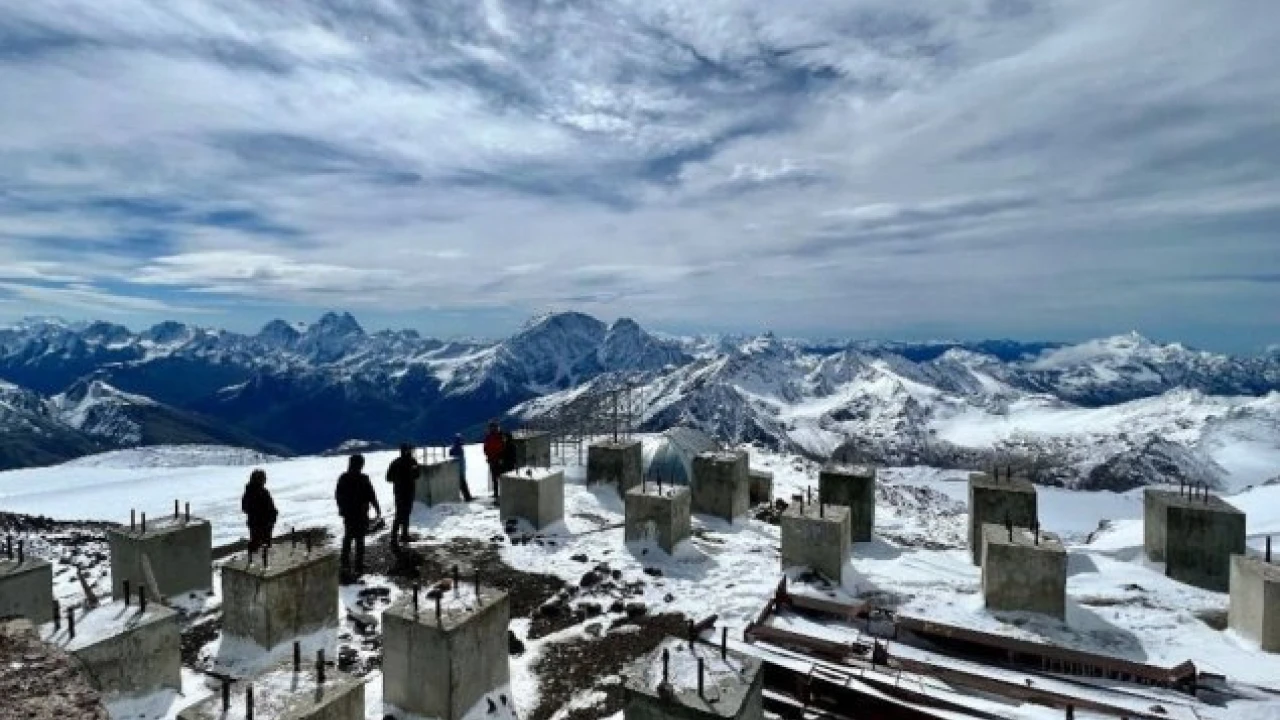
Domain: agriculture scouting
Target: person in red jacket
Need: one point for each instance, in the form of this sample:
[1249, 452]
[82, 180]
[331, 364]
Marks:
[493, 452]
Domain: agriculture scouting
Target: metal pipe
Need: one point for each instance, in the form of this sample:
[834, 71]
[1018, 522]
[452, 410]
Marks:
[71, 622]
[415, 599]
[438, 621]
[133, 520]
[142, 599]
[320, 666]
[666, 665]
[144, 523]
[1268, 548]
[175, 509]
[226, 695]
[297, 657]
[701, 672]
[127, 599]
[293, 537]
[248, 702]
[724, 642]
[57, 616]
[188, 511]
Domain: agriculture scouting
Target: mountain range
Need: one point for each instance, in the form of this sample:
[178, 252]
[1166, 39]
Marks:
[72, 389]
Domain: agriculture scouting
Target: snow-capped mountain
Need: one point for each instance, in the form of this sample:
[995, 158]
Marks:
[1099, 413]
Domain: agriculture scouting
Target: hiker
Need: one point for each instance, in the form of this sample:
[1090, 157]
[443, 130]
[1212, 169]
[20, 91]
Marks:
[354, 495]
[456, 452]
[259, 510]
[493, 453]
[403, 476]
[508, 452]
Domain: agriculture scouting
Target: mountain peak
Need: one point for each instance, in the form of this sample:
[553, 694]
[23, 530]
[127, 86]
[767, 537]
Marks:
[333, 324]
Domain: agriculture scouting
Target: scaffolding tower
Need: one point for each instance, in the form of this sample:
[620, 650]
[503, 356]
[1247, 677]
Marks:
[610, 409]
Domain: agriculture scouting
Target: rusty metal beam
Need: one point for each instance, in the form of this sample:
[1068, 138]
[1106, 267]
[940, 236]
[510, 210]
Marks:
[1055, 658]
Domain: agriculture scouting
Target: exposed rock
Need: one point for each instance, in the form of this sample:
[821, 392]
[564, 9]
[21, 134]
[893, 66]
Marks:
[40, 682]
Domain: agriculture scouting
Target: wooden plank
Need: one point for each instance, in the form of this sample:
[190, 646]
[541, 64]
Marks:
[829, 607]
[827, 648]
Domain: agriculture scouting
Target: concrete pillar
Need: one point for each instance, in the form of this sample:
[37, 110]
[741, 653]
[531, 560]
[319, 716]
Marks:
[123, 649]
[26, 589]
[616, 463]
[720, 484]
[853, 486]
[180, 552]
[1195, 536]
[817, 537]
[533, 494]
[760, 486]
[1255, 601]
[998, 501]
[439, 482]
[283, 693]
[533, 449]
[1020, 574]
[295, 593]
[732, 685]
[443, 666]
[661, 516]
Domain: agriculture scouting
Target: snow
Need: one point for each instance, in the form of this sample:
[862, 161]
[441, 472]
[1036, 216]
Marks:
[101, 623]
[1119, 603]
[682, 666]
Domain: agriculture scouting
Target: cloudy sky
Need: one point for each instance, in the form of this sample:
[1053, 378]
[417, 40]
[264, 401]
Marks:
[869, 168]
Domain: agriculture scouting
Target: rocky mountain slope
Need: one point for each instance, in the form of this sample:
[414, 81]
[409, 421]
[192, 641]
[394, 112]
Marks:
[1104, 413]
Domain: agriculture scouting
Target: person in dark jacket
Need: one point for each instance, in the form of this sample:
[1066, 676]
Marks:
[508, 452]
[355, 495]
[259, 510]
[403, 476]
[457, 453]
[493, 448]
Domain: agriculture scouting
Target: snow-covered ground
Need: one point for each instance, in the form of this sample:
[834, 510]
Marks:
[1119, 602]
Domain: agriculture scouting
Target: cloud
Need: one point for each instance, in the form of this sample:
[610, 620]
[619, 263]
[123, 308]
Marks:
[89, 298]
[835, 167]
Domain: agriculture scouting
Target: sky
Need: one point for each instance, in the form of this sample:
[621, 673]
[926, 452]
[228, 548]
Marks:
[856, 168]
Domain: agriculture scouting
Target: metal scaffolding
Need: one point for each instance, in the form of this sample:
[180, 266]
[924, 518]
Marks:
[610, 409]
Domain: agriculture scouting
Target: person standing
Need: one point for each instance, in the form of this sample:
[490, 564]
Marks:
[456, 452]
[355, 495]
[260, 511]
[403, 476]
[493, 453]
[509, 459]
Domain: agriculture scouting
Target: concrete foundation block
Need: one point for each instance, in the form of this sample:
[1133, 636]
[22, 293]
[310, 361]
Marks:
[180, 552]
[733, 685]
[658, 514]
[534, 494]
[853, 486]
[1255, 601]
[295, 593]
[760, 486]
[1020, 574]
[817, 537]
[282, 694]
[997, 502]
[720, 484]
[616, 463]
[533, 448]
[441, 666]
[439, 482]
[123, 649]
[1195, 537]
[26, 589]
